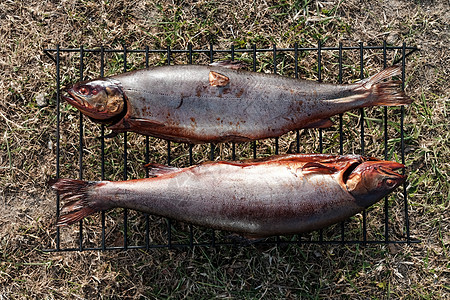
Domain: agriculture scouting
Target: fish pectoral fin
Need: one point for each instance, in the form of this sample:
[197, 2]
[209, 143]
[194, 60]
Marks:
[315, 167]
[145, 122]
[323, 123]
[229, 64]
[217, 79]
[155, 169]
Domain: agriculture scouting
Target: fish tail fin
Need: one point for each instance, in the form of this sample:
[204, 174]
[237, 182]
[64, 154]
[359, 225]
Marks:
[388, 93]
[80, 204]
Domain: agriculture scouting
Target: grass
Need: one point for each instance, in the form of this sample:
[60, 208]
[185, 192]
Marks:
[27, 155]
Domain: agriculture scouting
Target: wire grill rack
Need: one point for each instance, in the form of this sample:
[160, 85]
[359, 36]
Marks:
[296, 52]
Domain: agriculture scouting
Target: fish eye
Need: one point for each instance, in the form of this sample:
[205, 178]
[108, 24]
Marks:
[83, 90]
[390, 182]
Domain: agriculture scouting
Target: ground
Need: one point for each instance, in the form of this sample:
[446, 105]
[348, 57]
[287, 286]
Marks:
[28, 151]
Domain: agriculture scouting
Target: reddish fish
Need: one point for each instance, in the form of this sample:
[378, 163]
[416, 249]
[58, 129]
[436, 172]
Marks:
[258, 198]
[220, 102]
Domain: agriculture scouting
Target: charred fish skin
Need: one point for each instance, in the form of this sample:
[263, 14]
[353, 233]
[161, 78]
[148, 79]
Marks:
[200, 104]
[282, 195]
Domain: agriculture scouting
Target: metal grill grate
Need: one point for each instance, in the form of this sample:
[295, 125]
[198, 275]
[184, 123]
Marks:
[316, 238]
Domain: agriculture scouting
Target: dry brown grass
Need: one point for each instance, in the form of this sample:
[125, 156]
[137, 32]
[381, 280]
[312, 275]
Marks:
[27, 152]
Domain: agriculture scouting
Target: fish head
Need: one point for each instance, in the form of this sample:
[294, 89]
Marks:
[370, 181]
[100, 99]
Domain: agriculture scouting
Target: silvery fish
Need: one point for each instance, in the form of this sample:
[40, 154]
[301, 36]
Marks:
[256, 198]
[221, 102]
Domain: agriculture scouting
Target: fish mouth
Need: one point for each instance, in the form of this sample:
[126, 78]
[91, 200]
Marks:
[388, 168]
[391, 166]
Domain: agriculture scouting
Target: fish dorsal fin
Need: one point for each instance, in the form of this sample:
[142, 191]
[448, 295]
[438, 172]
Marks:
[158, 169]
[229, 64]
[315, 167]
[217, 79]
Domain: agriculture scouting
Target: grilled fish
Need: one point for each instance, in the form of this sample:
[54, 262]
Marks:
[222, 102]
[256, 198]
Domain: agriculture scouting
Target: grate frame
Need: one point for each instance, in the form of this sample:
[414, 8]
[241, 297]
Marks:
[55, 55]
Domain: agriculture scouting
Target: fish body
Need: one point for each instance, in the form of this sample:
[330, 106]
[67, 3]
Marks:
[257, 198]
[200, 104]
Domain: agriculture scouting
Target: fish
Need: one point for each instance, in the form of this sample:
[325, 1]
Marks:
[279, 195]
[222, 102]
